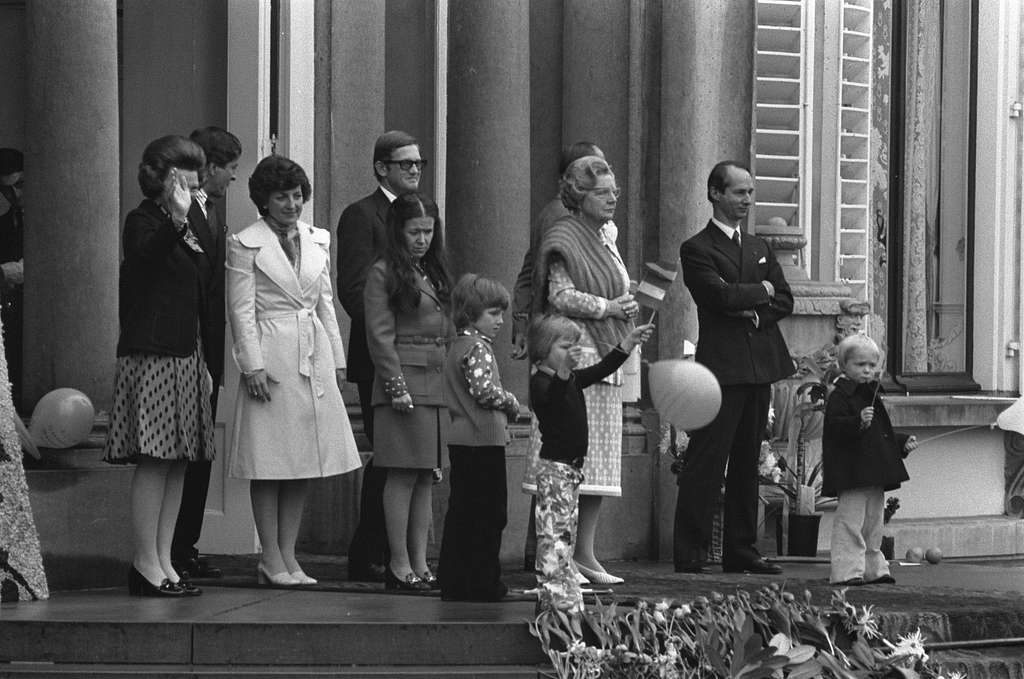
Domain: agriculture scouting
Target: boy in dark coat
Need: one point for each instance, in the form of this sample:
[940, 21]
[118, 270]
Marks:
[862, 457]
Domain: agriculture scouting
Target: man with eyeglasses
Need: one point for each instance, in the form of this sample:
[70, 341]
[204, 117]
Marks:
[397, 167]
[12, 272]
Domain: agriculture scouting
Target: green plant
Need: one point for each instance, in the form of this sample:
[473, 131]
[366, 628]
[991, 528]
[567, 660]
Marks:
[770, 633]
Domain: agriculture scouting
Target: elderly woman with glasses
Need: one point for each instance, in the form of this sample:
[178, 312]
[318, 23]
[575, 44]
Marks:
[580, 274]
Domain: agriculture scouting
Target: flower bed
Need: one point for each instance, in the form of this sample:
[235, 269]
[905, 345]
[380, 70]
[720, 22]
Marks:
[770, 633]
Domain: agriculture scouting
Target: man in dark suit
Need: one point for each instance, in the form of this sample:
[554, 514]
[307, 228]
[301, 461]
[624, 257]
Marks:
[222, 151]
[397, 167]
[741, 295]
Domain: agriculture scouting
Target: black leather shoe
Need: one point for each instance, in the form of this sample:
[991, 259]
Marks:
[138, 585]
[410, 583]
[430, 579]
[196, 568]
[852, 582]
[758, 566]
[187, 588]
[697, 567]
[371, 572]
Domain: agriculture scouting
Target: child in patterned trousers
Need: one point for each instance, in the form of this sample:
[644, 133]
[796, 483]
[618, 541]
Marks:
[556, 395]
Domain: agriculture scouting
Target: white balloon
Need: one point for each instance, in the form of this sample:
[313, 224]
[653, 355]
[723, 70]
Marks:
[685, 393]
[62, 418]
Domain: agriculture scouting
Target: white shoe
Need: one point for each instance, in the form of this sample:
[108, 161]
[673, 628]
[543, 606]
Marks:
[598, 577]
[581, 579]
[303, 579]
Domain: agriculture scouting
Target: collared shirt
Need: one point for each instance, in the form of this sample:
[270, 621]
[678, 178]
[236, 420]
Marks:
[726, 229]
[387, 194]
[199, 195]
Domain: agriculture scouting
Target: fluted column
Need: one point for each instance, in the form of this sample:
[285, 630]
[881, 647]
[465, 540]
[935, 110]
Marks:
[71, 196]
[596, 88]
[707, 81]
[488, 192]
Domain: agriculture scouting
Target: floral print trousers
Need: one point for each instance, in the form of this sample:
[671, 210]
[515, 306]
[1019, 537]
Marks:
[558, 493]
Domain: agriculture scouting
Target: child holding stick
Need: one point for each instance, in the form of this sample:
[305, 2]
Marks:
[862, 457]
[556, 395]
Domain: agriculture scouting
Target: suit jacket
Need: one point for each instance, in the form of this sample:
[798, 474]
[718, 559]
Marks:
[421, 364]
[162, 286]
[726, 285]
[211, 233]
[360, 240]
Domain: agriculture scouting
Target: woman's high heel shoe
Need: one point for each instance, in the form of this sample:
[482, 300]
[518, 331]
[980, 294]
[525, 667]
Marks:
[138, 585]
[410, 583]
[430, 580]
[282, 579]
[301, 578]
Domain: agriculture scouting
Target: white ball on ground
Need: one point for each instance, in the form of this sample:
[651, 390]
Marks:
[915, 554]
[933, 555]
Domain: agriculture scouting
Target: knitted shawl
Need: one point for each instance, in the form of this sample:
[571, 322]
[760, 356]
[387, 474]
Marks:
[593, 270]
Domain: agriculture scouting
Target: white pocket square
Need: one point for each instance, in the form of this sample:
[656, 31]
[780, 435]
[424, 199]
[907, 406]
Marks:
[762, 260]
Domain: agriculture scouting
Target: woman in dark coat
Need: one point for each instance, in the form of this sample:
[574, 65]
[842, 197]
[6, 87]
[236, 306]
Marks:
[162, 416]
[407, 331]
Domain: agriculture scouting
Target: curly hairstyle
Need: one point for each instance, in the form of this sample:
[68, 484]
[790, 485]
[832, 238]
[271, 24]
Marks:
[473, 295]
[402, 286]
[163, 154]
[581, 176]
[545, 331]
[276, 173]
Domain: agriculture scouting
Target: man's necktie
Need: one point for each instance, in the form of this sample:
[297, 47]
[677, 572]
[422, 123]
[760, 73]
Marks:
[736, 237]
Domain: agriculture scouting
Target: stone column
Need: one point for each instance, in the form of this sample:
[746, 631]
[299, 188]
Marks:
[71, 195]
[488, 196]
[707, 95]
[596, 88]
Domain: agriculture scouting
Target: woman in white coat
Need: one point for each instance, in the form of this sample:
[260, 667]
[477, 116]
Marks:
[290, 422]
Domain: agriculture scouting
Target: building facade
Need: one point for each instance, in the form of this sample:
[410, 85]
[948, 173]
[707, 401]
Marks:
[885, 137]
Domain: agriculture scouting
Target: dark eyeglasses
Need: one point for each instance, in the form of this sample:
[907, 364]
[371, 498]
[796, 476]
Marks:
[407, 165]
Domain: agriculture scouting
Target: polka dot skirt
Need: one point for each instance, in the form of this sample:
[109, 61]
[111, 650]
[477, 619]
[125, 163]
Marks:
[161, 409]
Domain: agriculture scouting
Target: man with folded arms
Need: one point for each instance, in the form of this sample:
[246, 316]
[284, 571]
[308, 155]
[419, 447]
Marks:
[741, 295]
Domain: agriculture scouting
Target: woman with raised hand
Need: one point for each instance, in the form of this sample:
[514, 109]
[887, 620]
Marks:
[161, 417]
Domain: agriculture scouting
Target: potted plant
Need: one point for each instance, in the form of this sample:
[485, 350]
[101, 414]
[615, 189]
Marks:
[801, 419]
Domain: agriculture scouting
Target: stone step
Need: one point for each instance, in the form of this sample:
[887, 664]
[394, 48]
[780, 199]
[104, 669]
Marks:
[982, 663]
[959, 537]
[44, 671]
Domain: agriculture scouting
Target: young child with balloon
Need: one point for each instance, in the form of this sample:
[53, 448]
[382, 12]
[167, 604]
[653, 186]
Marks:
[556, 395]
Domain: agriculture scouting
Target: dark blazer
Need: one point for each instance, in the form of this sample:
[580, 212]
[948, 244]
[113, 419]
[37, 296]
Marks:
[162, 294]
[211, 233]
[360, 239]
[855, 458]
[726, 285]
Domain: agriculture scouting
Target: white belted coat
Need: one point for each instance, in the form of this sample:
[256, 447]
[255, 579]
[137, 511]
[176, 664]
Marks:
[284, 322]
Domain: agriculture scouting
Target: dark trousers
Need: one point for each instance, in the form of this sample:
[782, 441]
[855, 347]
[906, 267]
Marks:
[189, 525]
[470, 565]
[734, 436]
[370, 541]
